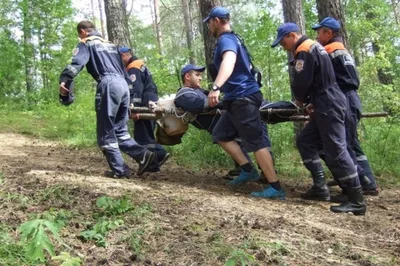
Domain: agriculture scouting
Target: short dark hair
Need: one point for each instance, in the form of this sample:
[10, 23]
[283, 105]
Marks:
[335, 33]
[224, 20]
[85, 25]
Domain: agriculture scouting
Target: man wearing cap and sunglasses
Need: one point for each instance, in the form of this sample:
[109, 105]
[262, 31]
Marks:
[314, 77]
[242, 99]
[143, 90]
[192, 98]
[328, 35]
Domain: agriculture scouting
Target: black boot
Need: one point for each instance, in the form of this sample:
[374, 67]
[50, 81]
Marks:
[356, 203]
[332, 183]
[319, 190]
[365, 182]
[341, 198]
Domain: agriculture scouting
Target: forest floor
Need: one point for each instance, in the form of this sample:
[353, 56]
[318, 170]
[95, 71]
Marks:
[181, 217]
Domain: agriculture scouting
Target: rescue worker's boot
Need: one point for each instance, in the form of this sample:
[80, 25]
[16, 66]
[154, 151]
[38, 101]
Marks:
[319, 189]
[356, 203]
[332, 183]
[341, 198]
[369, 188]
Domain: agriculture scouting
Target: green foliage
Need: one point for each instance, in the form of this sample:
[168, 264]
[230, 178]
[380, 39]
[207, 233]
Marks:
[38, 112]
[22, 200]
[110, 206]
[241, 257]
[198, 152]
[99, 231]
[106, 220]
[67, 259]
[136, 241]
[35, 235]
[11, 252]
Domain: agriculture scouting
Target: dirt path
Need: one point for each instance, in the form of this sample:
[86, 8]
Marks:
[196, 219]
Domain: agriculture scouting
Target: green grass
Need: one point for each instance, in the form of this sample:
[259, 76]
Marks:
[75, 126]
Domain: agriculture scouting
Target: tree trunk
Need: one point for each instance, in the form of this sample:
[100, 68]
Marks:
[333, 8]
[117, 24]
[293, 12]
[103, 28]
[384, 75]
[395, 5]
[93, 18]
[209, 40]
[29, 53]
[188, 29]
[157, 27]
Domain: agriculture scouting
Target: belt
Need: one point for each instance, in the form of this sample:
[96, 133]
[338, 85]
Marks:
[100, 77]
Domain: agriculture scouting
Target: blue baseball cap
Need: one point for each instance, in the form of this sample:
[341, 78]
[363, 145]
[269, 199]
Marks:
[283, 30]
[124, 49]
[329, 23]
[191, 67]
[217, 12]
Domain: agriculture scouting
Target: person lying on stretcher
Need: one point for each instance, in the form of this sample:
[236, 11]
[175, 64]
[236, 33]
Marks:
[192, 98]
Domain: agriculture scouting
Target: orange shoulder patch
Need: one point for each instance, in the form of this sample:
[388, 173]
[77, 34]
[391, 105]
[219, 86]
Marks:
[135, 64]
[304, 46]
[330, 48]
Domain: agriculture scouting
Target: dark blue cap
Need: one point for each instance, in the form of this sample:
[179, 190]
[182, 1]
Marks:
[191, 67]
[283, 30]
[124, 49]
[329, 23]
[217, 12]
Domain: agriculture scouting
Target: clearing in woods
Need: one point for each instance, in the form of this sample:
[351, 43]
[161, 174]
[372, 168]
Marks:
[182, 217]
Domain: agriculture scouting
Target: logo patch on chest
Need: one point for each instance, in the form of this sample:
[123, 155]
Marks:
[133, 77]
[299, 65]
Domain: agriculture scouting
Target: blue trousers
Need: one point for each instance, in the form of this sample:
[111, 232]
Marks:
[353, 116]
[143, 133]
[112, 114]
[328, 127]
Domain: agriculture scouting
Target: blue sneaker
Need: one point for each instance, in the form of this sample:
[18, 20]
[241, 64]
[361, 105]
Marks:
[245, 177]
[270, 193]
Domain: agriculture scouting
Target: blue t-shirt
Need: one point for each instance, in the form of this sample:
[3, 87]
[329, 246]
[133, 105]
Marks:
[241, 82]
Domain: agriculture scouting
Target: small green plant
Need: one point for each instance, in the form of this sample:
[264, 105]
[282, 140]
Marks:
[56, 192]
[142, 211]
[59, 217]
[241, 257]
[136, 240]
[100, 230]
[11, 252]
[67, 259]
[35, 235]
[1, 178]
[22, 200]
[110, 206]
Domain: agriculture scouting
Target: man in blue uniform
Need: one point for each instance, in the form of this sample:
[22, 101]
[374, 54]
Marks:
[143, 91]
[242, 99]
[192, 98]
[347, 78]
[104, 64]
[314, 77]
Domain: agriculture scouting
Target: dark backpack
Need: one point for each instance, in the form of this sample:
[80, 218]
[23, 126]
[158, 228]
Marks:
[212, 69]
